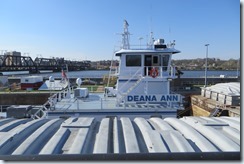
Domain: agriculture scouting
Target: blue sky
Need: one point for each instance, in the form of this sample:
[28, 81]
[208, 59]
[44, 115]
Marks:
[87, 29]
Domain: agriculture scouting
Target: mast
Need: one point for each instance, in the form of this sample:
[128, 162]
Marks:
[126, 36]
[151, 41]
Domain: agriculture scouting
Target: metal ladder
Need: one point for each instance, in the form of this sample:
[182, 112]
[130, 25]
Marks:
[50, 103]
[216, 113]
[123, 95]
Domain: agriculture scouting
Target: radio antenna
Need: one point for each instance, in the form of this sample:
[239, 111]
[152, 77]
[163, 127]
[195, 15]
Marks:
[151, 39]
[126, 36]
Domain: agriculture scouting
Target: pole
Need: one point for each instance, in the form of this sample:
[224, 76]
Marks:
[237, 69]
[206, 65]
[69, 90]
[140, 41]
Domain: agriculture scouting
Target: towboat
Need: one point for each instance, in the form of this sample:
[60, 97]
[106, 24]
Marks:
[143, 86]
[134, 120]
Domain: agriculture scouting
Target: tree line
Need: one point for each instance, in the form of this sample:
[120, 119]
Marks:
[212, 64]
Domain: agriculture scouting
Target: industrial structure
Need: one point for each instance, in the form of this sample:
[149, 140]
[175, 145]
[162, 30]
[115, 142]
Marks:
[13, 61]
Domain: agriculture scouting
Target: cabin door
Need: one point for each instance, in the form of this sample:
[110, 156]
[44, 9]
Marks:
[155, 60]
[147, 64]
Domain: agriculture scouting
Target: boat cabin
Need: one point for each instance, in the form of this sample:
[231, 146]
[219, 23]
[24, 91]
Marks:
[144, 75]
[151, 62]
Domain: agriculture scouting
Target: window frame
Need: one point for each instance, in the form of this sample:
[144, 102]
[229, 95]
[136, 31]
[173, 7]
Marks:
[133, 62]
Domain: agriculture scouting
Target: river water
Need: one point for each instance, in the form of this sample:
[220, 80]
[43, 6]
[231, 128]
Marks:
[101, 73]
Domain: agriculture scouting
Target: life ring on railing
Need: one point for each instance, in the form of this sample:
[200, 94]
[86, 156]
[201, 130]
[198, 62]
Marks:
[154, 72]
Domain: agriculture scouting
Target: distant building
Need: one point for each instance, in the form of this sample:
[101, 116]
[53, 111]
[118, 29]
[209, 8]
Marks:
[31, 82]
[13, 58]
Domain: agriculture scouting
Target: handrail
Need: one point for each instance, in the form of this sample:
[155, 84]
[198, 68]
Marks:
[161, 70]
[113, 70]
[125, 84]
[169, 71]
[129, 90]
[50, 103]
[182, 112]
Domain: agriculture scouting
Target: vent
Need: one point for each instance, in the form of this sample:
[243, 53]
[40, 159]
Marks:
[81, 92]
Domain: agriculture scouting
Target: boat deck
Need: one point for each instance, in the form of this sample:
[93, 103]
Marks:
[97, 104]
[97, 101]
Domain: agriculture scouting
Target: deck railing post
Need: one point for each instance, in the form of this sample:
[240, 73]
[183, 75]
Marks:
[101, 103]
[161, 72]
[77, 104]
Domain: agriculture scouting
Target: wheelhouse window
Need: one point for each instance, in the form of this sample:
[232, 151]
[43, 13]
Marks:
[165, 62]
[133, 60]
[155, 59]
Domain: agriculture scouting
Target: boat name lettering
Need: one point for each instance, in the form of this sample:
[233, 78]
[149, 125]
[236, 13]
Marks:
[154, 98]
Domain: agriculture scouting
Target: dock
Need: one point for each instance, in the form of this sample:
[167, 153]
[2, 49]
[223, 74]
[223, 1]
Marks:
[217, 100]
[202, 106]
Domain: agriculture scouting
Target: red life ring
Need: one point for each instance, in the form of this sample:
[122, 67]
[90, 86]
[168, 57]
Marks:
[154, 72]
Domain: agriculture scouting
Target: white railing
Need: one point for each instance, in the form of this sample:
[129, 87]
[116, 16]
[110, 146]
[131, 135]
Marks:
[52, 100]
[137, 47]
[136, 75]
[114, 70]
[123, 95]
[146, 71]
[161, 71]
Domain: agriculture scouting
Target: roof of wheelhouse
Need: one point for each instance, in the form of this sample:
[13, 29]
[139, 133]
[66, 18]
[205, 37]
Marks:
[146, 51]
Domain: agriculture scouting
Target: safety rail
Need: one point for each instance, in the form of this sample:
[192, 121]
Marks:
[183, 112]
[142, 72]
[147, 71]
[123, 95]
[160, 71]
[49, 105]
[136, 75]
[114, 70]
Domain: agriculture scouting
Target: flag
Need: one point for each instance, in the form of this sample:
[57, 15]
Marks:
[64, 77]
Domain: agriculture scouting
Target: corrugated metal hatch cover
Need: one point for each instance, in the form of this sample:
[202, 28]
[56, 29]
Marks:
[89, 136]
